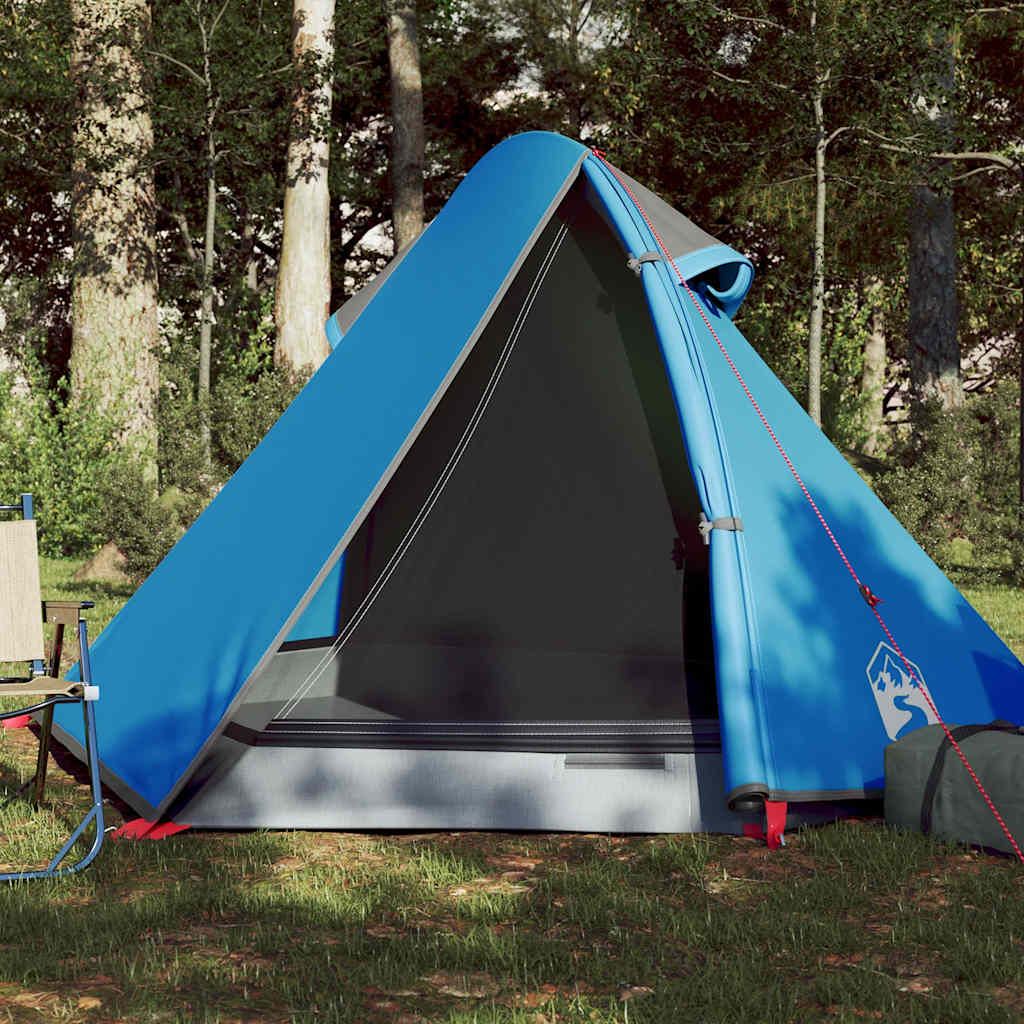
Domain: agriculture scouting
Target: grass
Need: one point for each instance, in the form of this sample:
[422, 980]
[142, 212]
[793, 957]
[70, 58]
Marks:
[851, 922]
[1001, 606]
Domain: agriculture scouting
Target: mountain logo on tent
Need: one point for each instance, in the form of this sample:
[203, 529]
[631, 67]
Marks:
[900, 700]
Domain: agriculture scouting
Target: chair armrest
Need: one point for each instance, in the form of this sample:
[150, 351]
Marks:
[64, 612]
[43, 686]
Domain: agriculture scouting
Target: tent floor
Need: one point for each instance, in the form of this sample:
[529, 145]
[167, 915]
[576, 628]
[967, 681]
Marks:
[384, 789]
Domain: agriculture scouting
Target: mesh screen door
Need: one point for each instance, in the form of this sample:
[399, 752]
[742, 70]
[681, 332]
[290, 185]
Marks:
[519, 565]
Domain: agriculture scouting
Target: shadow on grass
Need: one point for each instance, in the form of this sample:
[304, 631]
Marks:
[850, 921]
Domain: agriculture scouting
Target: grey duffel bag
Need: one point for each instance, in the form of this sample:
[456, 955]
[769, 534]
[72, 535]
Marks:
[927, 787]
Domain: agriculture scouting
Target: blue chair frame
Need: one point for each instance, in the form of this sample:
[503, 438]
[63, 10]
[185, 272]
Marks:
[58, 691]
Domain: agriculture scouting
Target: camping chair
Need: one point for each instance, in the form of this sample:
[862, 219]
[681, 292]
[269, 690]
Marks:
[21, 640]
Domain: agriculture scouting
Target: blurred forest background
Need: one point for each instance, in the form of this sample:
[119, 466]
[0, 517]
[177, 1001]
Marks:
[189, 187]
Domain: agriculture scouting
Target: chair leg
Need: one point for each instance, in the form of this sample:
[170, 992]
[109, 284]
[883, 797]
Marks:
[93, 816]
[43, 757]
[46, 723]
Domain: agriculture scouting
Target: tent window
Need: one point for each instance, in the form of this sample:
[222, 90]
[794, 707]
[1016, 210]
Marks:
[549, 570]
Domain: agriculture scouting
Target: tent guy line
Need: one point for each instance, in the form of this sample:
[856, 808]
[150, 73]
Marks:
[872, 600]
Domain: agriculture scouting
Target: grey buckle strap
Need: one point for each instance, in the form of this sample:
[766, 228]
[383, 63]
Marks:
[636, 262]
[732, 523]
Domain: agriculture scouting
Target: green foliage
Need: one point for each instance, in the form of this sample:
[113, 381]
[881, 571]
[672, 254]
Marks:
[955, 477]
[768, 322]
[248, 395]
[228, 105]
[143, 526]
[61, 450]
[245, 408]
[36, 115]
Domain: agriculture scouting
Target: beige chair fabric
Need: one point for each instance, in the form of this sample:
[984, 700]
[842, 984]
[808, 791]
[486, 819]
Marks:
[21, 624]
[42, 686]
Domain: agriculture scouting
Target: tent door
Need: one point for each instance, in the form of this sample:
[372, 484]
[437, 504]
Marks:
[531, 577]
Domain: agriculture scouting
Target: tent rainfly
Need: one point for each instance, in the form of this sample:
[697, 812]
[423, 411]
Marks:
[523, 554]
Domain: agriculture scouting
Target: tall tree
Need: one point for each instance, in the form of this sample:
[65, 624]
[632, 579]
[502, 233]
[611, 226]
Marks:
[872, 384]
[783, 91]
[114, 299]
[407, 134]
[303, 292]
[206, 20]
[221, 89]
[989, 176]
[934, 341]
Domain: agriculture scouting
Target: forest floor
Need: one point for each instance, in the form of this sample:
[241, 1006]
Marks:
[851, 921]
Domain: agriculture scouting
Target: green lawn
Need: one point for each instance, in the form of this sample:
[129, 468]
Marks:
[1001, 606]
[849, 922]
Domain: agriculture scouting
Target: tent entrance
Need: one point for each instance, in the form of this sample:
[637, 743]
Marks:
[531, 577]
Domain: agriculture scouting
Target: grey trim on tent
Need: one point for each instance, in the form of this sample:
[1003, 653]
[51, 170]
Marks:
[757, 792]
[349, 312]
[678, 233]
[371, 500]
[107, 778]
[467, 789]
[366, 788]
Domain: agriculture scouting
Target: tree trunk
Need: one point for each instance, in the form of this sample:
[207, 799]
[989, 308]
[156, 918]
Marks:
[818, 285]
[872, 381]
[212, 101]
[252, 266]
[933, 314]
[302, 295]
[407, 123]
[114, 328]
[1020, 393]
[206, 309]
[934, 349]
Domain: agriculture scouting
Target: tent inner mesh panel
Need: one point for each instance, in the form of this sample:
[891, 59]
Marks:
[530, 576]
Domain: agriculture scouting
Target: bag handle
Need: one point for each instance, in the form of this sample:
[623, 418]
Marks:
[961, 732]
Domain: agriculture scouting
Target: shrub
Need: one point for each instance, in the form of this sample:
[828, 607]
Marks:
[144, 526]
[249, 394]
[89, 490]
[955, 476]
[245, 409]
[61, 450]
